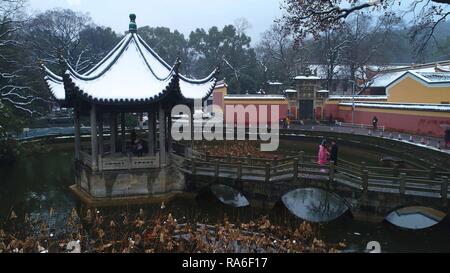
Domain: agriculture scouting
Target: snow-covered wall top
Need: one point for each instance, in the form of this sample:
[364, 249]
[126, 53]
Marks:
[406, 106]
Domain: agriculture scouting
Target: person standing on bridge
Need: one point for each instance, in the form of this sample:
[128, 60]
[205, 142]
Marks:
[323, 153]
[334, 152]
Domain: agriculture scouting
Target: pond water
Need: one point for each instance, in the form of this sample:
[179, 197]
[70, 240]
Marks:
[229, 196]
[415, 217]
[314, 205]
[36, 184]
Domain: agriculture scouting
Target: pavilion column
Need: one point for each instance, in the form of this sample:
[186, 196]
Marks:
[101, 143]
[151, 132]
[169, 132]
[123, 133]
[113, 127]
[77, 126]
[162, 135]
[192, 119]
[94, 144]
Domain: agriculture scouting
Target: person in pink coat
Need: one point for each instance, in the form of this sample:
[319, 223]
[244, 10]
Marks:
[323, 153]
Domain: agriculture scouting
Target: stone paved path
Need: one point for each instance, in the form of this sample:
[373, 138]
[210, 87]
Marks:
[429, 142]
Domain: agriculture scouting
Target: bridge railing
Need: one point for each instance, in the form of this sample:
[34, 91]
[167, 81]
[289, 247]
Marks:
[362, 126]
[359, 176]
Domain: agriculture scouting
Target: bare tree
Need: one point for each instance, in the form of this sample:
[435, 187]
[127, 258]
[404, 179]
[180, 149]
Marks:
[277, 51]
[14, 90]
[331, 50]
[242, 25]
[309, 17]
[365, 39]
[55, 34]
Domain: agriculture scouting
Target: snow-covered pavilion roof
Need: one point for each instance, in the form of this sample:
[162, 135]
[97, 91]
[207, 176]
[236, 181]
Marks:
[131, 73]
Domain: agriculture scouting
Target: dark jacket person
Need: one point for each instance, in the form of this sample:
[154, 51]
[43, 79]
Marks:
[334, 152]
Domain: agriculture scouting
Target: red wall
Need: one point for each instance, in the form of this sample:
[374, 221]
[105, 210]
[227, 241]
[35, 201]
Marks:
[218, 98]
[294, 111]
[417, 124]
[282, 113]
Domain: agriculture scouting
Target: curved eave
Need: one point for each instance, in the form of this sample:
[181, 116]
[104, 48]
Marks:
[73, 90]
[50, 77]
[204, 98]
[204, 80]
[59, 100]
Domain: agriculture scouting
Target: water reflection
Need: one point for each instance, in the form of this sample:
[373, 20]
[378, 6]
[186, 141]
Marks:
[314, 205]
[415, 217]
[229, 196]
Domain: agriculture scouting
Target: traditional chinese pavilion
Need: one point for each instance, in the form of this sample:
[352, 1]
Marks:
[132, 78]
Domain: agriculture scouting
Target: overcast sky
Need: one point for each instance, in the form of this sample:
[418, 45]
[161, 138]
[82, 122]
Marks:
[184, 15]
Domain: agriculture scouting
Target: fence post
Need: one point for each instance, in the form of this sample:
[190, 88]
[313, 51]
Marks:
[295, 167]
[275, 164]
[229, 158]
[332, 171]
[444, 189]
[396, 171]
[249, 159]
[207, 156]
[432, 171]
[365, 181]
[239, 171]
[302, 156]
[194, 171]
[216, 169]
[267, 177]
[402, 183]
[363, 166]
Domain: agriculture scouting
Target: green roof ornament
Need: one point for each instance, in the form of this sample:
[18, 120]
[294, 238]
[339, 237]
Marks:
[133, 25]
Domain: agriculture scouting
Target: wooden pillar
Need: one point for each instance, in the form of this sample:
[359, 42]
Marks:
[433, 171]
[402, 190]
[295, 169]
[162, 137]
[113, 127]
[192, 128]
[101, 146]
[365, 181]
[123, 133]
[216, 170]
[76, 118]
[101, 143]
[169, 132]
[332, 171]
[94, 144]
[151, 133]
[267, 172]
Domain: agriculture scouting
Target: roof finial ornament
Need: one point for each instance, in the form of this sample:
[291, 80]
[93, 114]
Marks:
[177, 64]
[133, 25]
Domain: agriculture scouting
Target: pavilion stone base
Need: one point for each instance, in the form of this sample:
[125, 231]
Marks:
[129, 183]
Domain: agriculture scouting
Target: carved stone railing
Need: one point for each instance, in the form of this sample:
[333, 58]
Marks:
[112, 163]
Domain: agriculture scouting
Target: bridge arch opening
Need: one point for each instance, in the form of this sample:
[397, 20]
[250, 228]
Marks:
[415, 217]
[315, 205]
[224, 194]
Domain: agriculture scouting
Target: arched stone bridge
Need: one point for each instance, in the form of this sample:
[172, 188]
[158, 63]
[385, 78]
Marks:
[370, 192]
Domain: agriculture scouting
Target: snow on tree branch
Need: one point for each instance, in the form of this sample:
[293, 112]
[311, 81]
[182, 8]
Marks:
[306, 18]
